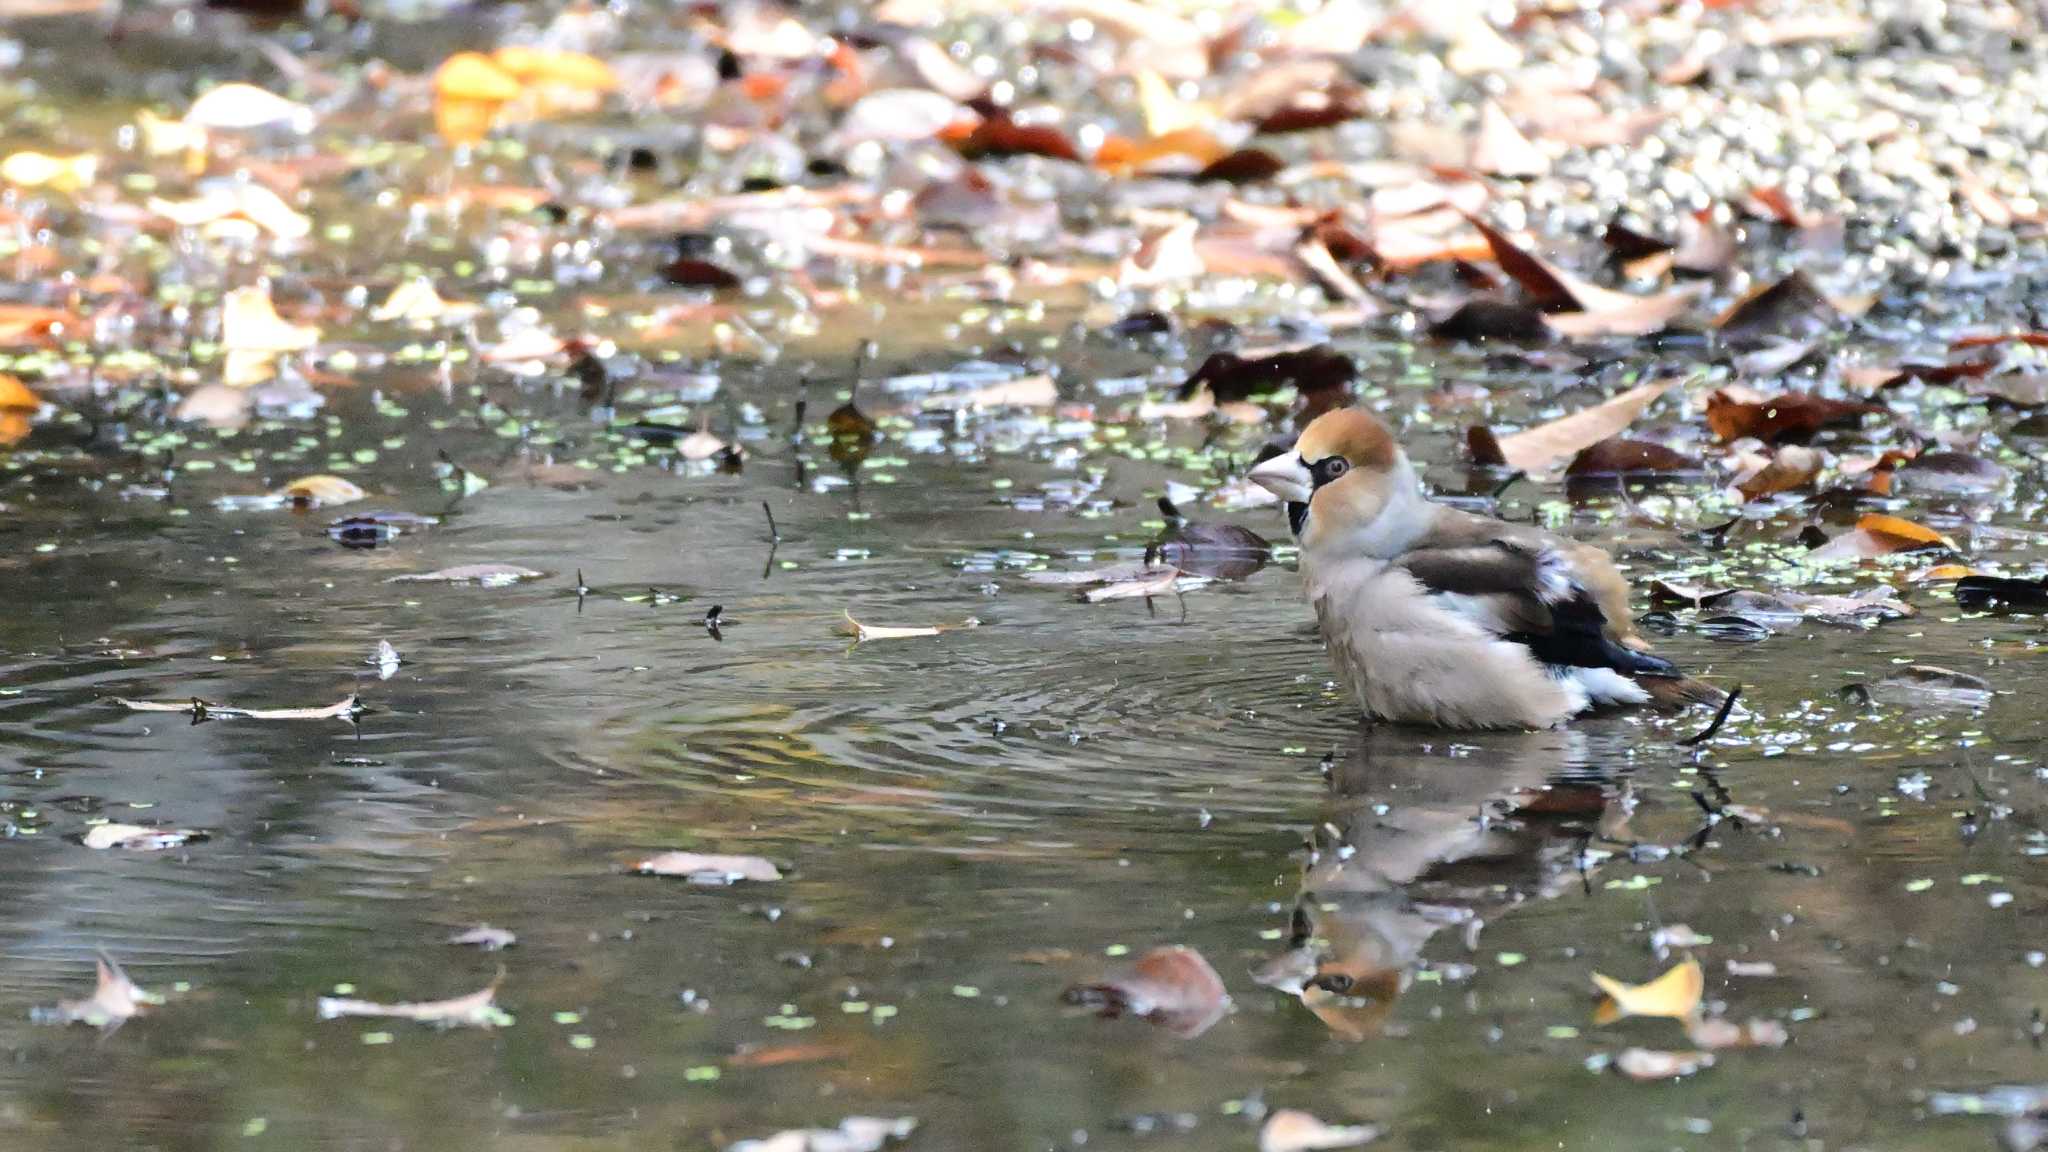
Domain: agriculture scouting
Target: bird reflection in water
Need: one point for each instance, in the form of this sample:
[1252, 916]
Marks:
[1420, 837]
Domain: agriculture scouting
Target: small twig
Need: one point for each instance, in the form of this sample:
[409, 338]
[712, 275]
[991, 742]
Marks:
[1720, 718]
[774, 534]
[1501, 489]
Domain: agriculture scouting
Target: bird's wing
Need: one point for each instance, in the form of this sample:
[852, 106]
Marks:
[1532, 596]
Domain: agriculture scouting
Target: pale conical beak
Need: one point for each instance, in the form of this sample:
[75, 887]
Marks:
[1284, 476]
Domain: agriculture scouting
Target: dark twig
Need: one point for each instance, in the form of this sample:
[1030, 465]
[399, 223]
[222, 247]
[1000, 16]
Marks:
[1501, 489]
[1720, 718]
[774, 534]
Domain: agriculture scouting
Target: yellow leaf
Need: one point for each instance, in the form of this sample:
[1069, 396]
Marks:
[1164, 110]
[38, 169]
[474, 76]
[1675, 994]
[567, 69]
[322, 491]
[249, 323]
[16, 395]
[1902, 534]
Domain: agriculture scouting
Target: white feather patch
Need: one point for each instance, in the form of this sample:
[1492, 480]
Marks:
[1554, 582]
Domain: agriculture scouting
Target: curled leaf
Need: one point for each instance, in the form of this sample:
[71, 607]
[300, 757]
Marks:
[1172, 986]
[1676, 994]
[704, 868]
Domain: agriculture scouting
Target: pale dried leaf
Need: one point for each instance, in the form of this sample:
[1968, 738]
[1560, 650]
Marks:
[137, 837]
[862, 633]
[1551, 444]
[1292, 1130]
[1648, 1064]
[709, 868]
[476, 1010]
[488, 575]
[854, 1134]
[1676, 994]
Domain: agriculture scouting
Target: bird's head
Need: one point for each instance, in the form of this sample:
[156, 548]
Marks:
[1348, 486]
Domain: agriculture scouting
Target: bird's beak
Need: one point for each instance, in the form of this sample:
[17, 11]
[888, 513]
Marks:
[1284, 476]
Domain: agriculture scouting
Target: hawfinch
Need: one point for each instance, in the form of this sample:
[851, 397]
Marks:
[1440, 617]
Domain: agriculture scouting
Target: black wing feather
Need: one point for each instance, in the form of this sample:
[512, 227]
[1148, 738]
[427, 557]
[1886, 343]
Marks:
[1570, 632]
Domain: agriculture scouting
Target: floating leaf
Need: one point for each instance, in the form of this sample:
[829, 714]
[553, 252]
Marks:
[115, 1000]
[485, 937]
[1292, 1130]
[1549, 444]
[709, 869]
[1877, 534]
[321, 491]
[347, 708]
[1926, 686]
[1733, 414]
[16, 396]
[487, 575]
[854, 1134]
[476, 1010]
[1230, 378]
[245, 107]
[40, 170]
[1616, 456]
[138, 838]
[1791, 467]
[1172, 986]
[1675, 994]
[1649, 1064]
[862, 633]
[1714, 1032]
[249, 323]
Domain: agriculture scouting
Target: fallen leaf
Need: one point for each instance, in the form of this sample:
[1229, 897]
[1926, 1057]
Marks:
[1926, 686]
[1676, 994]
[1577, 308]
[1548, 444]
[1166, 582]
[1500, 149]
[1791, 307]
[1292, 1130]
[476, 1010]
[854, 1134]
[1231, 378]
[321, 492]
[1166, 255]
[999, 136]
[138, 838]
[485, 937]
[249, 323]
[1860, 609]
[690, 272]
[1244, 166]
[220, 200]
[416, 302]
[1950, 474]
[862, 633]
[1776, 419]
[115, 1000]
[1704, 247]
[1034, 391]
[1616, 456]
[1172, 986]
[1482, 319]
[488, 575]
[1715, 1032]
[709, 869]
[1791, 467]
[1648, 1064]
[41, 170]
[1877, 534]
[16, 396]
[245, 107]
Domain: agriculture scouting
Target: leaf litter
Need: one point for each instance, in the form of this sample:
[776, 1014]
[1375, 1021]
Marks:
[478, 1009]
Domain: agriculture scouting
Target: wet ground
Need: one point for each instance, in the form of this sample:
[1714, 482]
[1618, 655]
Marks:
[966, 823]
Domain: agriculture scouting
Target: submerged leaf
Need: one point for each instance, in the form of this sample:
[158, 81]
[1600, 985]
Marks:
[854, 1134]
[115, 999]
[1649, 1064]
[138, 838]
[1733, 414]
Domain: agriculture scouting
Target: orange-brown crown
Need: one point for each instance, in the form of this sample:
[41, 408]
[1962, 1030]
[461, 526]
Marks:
[1353, 433]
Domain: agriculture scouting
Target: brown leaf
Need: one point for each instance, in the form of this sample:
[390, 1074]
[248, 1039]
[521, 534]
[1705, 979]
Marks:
[1311, 110]
[689, 272]
[998, 136]
[1791, 467]
[1788, 416]
[1791, 307]
[1950, 473]
[1230, 377]
[1704, 247]
[1675, 994]
[1172, 986]
[321, 491]
[1877, 535]
[1244, 166]
[1774, 204]
[1480, 320]
[1617, 456]
[1579, 308]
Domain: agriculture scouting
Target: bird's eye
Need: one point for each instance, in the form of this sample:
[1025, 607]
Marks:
[1327, 469]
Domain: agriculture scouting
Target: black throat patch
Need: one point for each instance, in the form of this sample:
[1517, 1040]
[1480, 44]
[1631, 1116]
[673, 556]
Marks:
[1297, 516]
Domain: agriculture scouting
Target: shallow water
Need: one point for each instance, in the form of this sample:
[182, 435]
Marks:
[967, 823]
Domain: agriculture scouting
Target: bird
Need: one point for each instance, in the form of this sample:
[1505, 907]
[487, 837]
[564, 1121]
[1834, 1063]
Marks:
[1439, 617]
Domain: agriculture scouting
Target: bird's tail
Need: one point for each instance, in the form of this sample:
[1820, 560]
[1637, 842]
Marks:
[1676, 692]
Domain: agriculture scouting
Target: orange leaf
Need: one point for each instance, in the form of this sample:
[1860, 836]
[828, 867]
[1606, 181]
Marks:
[1675, 994]
[16, 397]
[1903, 535]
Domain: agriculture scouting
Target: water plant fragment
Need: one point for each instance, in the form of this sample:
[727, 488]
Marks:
[115, 1000]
